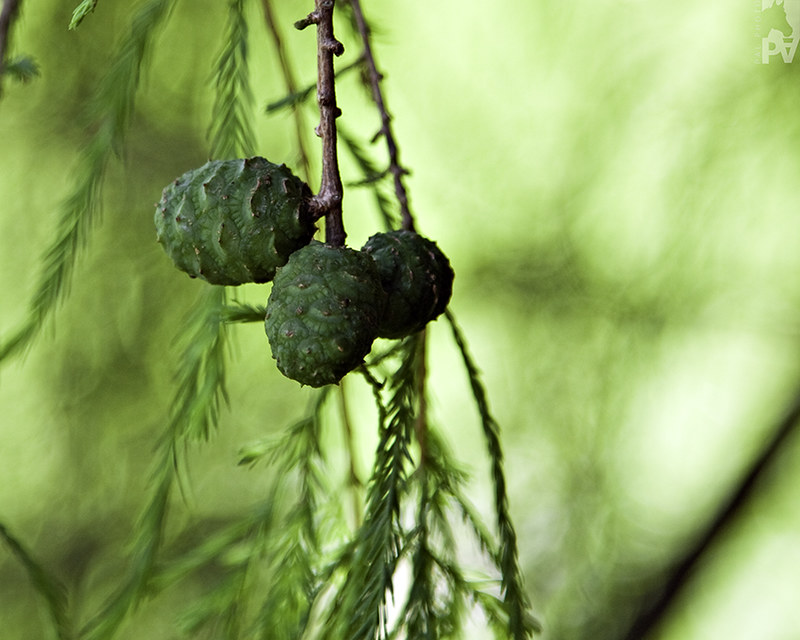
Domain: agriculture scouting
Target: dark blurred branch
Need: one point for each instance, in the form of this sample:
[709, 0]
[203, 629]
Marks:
[46, 585]
[658, 602]
[7, 15]
[395, 168]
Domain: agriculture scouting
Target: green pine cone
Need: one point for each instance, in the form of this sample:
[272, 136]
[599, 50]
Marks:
[234, 221]
[417, 277]
[323, 313]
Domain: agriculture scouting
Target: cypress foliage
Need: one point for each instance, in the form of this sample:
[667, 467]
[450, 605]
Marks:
[111, 109]
[52, 592]
[298, 564]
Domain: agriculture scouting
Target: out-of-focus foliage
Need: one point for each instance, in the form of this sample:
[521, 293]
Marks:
[614, 183]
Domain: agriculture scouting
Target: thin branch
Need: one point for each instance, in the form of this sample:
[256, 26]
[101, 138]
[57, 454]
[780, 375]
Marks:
[353, 481]
[520, 624]
[291, 85]
[421, 421]
[395, 168]
[661, 600]
[328, 201]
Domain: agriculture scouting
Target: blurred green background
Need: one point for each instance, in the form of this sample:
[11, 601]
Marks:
[615, 183]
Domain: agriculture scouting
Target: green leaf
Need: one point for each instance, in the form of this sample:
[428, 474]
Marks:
[300, 96]
[81, 11]
[231, 133]
[373, 177]
[200, 378]
[23, 68]
[240, 312]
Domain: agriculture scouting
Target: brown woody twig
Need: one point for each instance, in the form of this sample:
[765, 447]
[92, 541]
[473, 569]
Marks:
[328, 201]
[395, 168]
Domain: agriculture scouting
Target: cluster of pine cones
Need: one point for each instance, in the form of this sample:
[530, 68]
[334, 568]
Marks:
[248, 220]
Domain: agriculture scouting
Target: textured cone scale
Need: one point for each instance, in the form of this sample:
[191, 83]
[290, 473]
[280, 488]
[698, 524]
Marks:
[234, 221]
[417, 277]
[323, 313]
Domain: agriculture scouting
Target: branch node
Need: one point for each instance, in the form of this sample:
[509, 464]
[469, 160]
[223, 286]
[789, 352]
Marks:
[311, 18]
[334, 46]
[399, 171]
[378, 135]
[318, 206]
